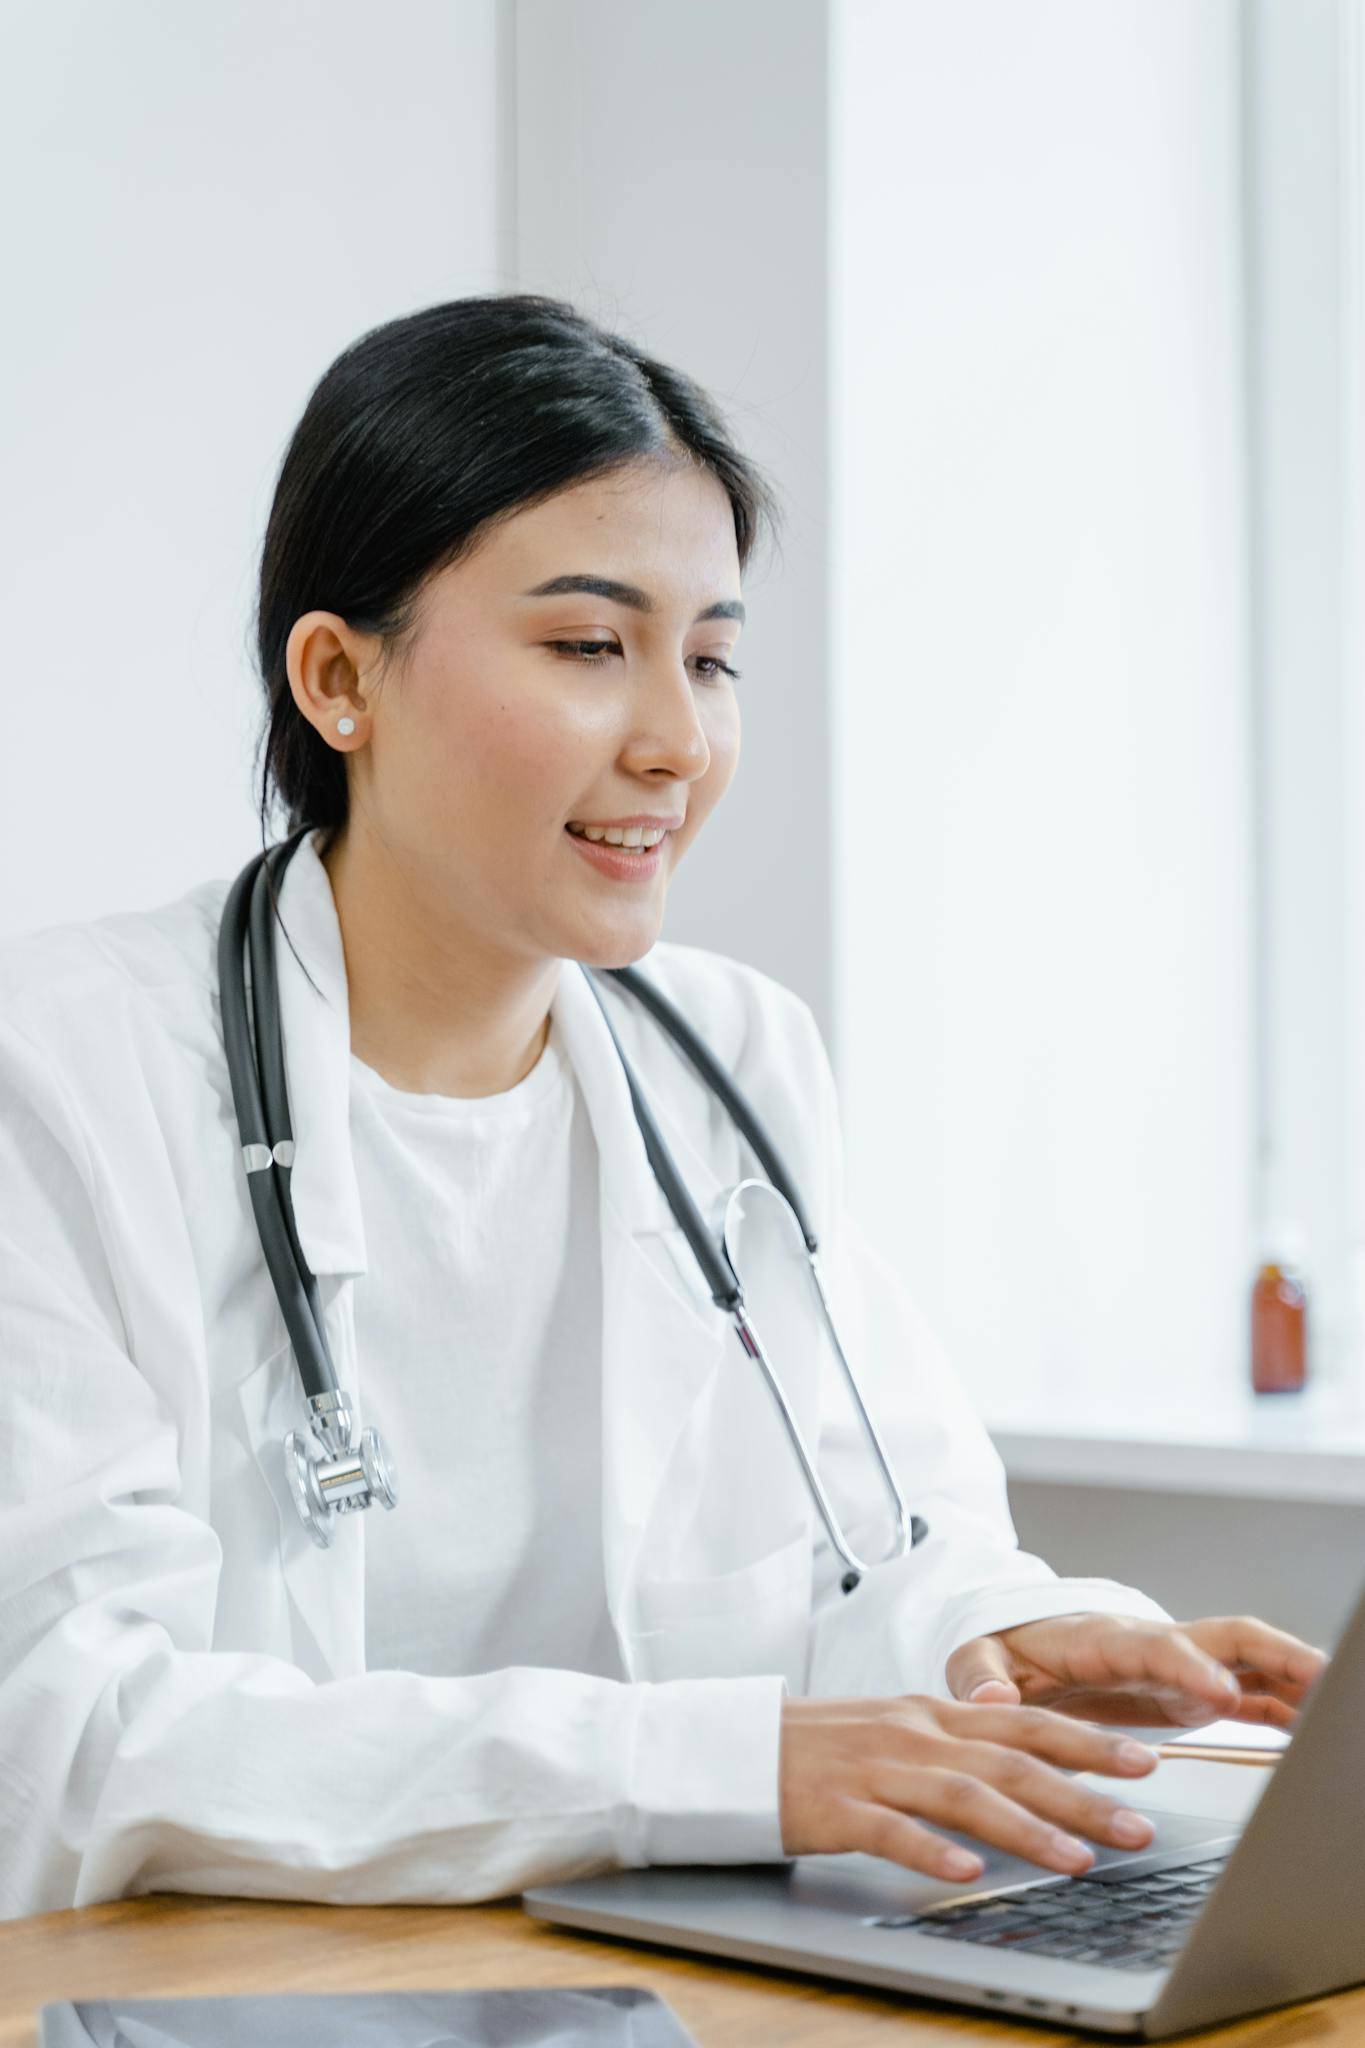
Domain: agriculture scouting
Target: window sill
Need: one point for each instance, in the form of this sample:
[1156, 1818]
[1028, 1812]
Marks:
[1307, 1446]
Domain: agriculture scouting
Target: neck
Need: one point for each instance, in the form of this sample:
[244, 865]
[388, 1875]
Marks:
[434, 1008]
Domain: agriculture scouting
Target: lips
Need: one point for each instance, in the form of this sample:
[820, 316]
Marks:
[621, 863]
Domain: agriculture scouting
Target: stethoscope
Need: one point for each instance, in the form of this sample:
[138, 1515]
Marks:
[342, 1475]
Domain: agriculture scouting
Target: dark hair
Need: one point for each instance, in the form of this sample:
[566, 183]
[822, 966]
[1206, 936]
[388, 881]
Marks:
[421, 433]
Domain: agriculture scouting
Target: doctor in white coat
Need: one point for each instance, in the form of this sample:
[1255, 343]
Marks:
[499, 601]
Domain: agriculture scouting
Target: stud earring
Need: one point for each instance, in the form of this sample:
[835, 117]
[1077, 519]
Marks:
[346, 725]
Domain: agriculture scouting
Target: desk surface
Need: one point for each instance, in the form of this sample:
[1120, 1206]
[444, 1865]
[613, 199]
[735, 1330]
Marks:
[172, 1945]
[160, 1946]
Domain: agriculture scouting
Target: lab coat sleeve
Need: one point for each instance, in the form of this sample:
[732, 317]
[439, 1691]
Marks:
[968, 1577]
[136, 1757]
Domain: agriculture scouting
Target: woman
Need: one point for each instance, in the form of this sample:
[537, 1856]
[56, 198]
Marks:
[499, 609]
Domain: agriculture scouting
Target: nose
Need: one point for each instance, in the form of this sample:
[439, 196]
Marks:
[665, 729]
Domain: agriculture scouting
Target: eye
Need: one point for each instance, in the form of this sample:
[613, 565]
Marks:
[592, 653]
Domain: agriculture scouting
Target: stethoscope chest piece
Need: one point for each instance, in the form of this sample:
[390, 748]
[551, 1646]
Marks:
[343, 1479]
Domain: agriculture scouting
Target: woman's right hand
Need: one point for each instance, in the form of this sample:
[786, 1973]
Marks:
[868, 1773]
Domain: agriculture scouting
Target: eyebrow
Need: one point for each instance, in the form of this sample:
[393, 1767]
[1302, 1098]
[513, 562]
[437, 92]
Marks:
[629, 594]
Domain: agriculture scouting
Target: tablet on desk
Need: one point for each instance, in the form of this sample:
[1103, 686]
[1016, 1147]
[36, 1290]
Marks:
[604, 2016]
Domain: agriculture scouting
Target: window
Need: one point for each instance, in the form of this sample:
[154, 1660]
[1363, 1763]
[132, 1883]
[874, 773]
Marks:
[1097, 701]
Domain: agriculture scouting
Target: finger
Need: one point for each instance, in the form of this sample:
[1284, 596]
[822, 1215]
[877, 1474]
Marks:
[1278, 1688]
[995, 1692]
[1124, 1710]
[1152, 1709]
[1265, 1711]
[1035, 1785]
[885, 1831]
[1132, 1710]
[1154, 1655]
[1051, 1736]
[1241, 1639]
[980, 1670]
[1287, 1703]
[958, 1800]
[1268, 1700]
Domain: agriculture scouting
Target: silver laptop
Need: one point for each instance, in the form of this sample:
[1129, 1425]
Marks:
[1213, 1919]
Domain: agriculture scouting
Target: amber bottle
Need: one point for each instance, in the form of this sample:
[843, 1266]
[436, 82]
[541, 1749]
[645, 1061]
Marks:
[1279, 1318]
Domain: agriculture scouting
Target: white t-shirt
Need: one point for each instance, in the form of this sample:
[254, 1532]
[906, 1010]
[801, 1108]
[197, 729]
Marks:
[478, 1333]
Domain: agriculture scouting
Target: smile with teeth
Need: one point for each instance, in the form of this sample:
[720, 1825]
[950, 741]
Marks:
[639, 837]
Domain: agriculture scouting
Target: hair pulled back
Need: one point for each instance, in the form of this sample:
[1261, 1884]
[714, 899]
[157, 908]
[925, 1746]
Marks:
[420, 433]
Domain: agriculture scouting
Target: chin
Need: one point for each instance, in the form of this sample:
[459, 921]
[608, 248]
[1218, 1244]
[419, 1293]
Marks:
[622, 951]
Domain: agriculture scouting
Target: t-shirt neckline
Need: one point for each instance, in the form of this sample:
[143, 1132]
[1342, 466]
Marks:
[548, 1074]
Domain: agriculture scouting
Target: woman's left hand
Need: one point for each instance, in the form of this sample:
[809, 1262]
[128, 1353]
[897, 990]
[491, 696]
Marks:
[1110, 1667]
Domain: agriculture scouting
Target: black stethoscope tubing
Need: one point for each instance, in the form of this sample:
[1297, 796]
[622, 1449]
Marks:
[261, 1100]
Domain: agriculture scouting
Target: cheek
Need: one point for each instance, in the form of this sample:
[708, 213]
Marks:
[510, 751]
[722, 738]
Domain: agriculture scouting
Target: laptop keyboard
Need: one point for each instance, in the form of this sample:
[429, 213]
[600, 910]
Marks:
[1136, 1922]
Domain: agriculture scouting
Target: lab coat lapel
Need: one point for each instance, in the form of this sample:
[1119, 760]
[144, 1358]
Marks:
[662, 1336]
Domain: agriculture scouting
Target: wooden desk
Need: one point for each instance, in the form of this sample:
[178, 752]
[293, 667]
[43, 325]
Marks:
[175, 1945]
[160, 1946]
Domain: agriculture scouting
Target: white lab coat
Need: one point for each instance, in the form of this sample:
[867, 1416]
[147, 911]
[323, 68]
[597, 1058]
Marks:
[184, 1703]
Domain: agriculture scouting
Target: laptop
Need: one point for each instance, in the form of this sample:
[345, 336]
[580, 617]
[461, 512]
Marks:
[1213, 1919]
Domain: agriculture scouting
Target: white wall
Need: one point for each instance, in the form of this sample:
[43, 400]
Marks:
[203, 206]
[1041, 787]
[672, 170]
